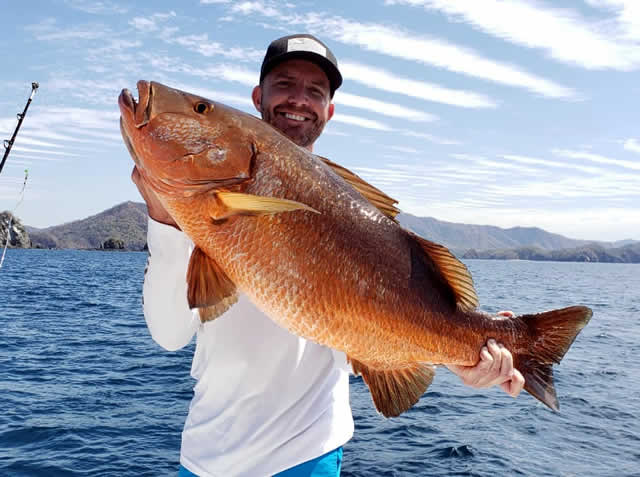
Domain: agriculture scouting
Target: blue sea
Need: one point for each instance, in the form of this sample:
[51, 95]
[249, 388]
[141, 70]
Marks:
[85, 391]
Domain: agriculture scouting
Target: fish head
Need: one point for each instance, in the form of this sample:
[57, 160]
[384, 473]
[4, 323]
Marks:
[183, 143]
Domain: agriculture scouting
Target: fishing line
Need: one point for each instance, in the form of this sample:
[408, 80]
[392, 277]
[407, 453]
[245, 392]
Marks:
[11, 214]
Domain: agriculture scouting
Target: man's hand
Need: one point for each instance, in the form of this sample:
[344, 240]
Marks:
[494, 368]
[155, 208]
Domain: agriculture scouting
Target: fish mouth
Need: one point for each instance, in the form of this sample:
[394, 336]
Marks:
[129, 144]
[137, 112]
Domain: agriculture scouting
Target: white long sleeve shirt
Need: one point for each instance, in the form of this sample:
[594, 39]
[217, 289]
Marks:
[265, 400]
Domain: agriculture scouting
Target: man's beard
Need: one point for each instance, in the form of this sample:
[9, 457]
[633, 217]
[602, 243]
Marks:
[303, 135]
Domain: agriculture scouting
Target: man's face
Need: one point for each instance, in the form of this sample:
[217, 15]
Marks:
[294, 98]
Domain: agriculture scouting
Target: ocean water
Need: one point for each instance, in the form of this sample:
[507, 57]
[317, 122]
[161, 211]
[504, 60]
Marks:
[85, 391]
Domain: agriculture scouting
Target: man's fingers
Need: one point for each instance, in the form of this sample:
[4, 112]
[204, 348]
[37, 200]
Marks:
[485, 357]
[506, 365]
[517, 383]
[494, 368]
[507, 313]
[496, 355]
[514, 386]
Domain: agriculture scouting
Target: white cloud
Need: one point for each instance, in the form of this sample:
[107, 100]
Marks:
[632, 145]
[234, 73]
[596, 158]
[549, 163]
[405, 149]
[150, 23]
[98, 91]
[221, 71]
[64, 125]
[249, 8]
[42, 152]
[382, 107]
[628, 15]
[215, 95]
[383, 80]
[413, 47]
[492, 167]
[22, 139]
[429, 51]
[571, 222]
[483, 192]
[97, 7]
[567, 36]
[143, 24]
[201, 44]
[431, 138]
[362, 122]
[48, 30]
[250, 78]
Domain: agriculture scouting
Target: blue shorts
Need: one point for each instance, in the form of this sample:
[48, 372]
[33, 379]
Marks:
[327, 465]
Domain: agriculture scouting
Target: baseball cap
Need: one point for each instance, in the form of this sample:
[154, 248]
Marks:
[306, 47]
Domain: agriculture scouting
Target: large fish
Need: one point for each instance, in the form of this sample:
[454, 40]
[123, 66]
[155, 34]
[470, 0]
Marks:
[320, 252]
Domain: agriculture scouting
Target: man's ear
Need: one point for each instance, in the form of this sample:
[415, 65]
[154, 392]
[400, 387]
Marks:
[331, 108]
[256, 96]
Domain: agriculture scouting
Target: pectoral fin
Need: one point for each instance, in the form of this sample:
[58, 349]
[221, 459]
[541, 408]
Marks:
[395, 391]
[236, 203]
[210, 289]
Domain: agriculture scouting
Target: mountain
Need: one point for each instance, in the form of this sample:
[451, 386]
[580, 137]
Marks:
[125, 225]
[126, 222]
[18, 236]
[585, 253]
[462, 237]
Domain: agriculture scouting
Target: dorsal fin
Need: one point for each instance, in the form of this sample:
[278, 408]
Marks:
[210, 289]
[396, 390]
[379, 199]
[454, 272]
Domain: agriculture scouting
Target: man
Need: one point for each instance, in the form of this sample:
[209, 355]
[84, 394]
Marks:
[267, 402]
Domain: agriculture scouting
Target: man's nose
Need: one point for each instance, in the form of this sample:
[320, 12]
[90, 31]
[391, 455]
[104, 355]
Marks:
[298, 95]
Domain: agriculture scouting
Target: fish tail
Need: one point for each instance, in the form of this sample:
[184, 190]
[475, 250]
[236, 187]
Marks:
[552, 333]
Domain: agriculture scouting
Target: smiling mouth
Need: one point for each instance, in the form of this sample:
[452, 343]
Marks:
[295, 117]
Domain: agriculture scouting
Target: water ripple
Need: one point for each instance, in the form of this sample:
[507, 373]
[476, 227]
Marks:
[85, 391]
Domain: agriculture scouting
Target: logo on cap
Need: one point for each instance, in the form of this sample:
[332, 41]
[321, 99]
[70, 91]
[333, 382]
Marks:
[306, 44]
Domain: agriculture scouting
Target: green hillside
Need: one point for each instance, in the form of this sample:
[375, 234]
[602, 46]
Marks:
[126, 222]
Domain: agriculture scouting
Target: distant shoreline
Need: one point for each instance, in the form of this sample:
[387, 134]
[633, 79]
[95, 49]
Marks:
[558, 256]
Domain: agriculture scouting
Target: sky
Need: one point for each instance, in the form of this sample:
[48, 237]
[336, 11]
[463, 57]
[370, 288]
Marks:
[495, 112]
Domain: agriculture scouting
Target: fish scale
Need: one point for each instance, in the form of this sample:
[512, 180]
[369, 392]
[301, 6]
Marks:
[318, 250]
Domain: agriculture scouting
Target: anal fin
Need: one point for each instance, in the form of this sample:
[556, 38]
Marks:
[395, 391]
[209, 288]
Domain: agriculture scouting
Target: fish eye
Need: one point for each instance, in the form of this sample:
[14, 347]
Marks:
[201, 107]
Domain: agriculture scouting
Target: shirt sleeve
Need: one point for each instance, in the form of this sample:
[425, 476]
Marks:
[171, 322]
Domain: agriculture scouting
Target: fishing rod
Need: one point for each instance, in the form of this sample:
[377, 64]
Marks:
[9, 144]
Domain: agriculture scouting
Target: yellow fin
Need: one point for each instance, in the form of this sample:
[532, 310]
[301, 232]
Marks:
[454, 272]
[379, 199]
[209, 288]
[237, 203]
[395, 391]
